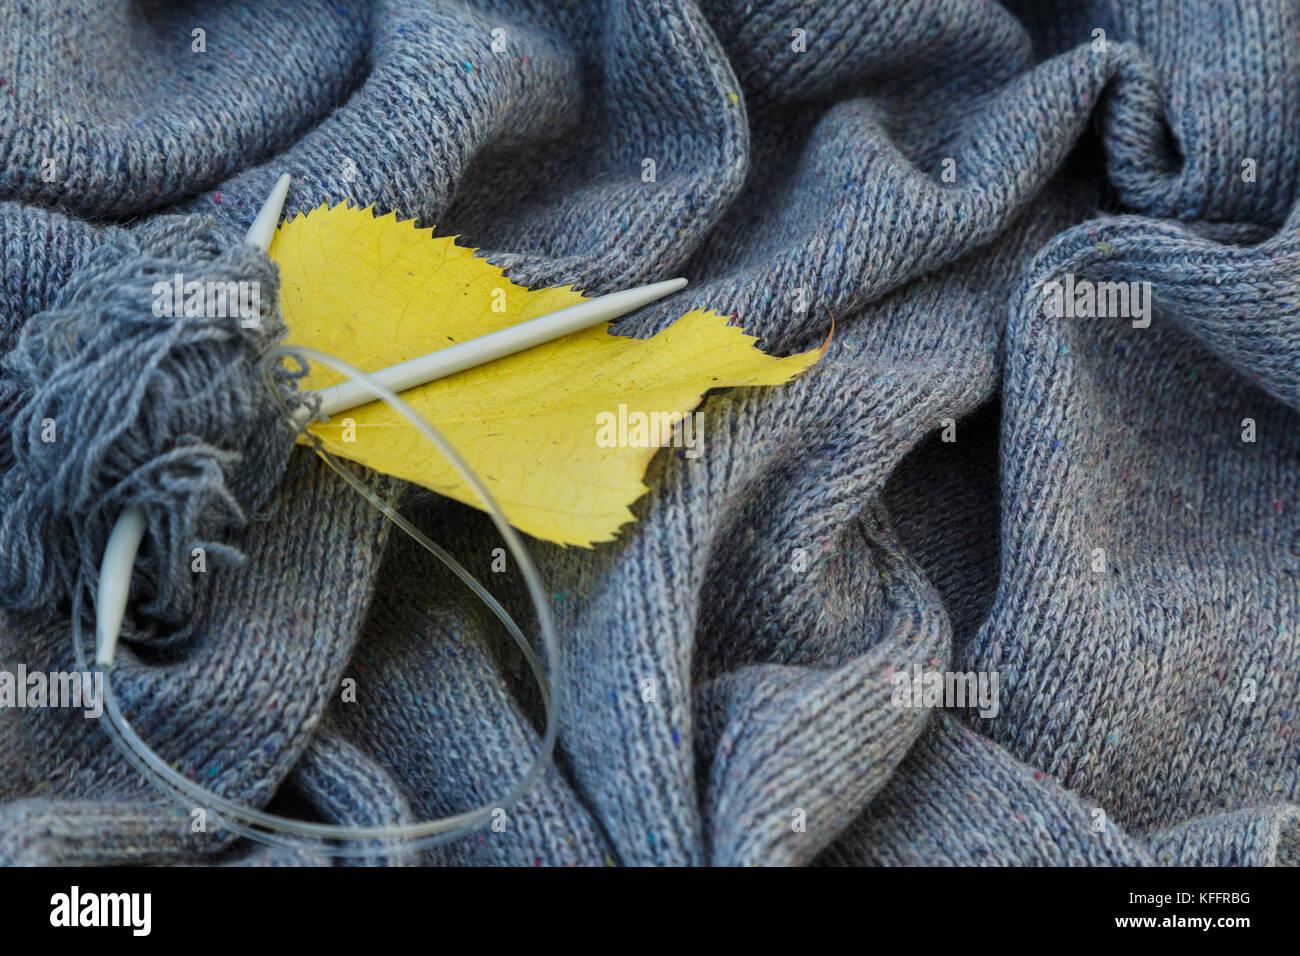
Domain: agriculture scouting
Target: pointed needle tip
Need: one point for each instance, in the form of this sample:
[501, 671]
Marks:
[262, 231]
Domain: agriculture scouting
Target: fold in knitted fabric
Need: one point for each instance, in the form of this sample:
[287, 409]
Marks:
[1098, 534]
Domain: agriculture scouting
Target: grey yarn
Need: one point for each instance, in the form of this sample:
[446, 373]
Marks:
[165, 413]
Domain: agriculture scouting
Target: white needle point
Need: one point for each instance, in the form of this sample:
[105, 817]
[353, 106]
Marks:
[262, 231]
[115, 582]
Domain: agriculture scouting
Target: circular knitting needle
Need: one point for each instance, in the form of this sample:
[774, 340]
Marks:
[128, 532]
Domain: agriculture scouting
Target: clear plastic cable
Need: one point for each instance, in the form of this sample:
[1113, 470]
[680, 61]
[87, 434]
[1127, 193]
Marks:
[396, 839]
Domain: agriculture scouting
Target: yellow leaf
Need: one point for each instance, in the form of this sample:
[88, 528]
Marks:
[375, 292]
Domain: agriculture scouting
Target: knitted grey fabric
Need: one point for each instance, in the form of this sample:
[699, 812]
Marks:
[1098, 534]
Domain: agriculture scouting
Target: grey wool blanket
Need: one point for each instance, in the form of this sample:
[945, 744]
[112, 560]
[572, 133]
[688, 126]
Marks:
[1050, 459]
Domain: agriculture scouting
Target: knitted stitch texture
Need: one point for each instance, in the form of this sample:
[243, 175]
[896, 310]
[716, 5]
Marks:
[1103, 513]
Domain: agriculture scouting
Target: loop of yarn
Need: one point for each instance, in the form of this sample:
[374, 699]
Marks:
[110, 404]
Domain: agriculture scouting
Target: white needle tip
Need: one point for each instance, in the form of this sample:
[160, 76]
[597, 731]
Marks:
[115, 582]
[647, 294]
[262, 231]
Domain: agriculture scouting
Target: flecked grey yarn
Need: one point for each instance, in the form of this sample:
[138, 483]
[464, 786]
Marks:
[112, 405]
[1103, 515]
